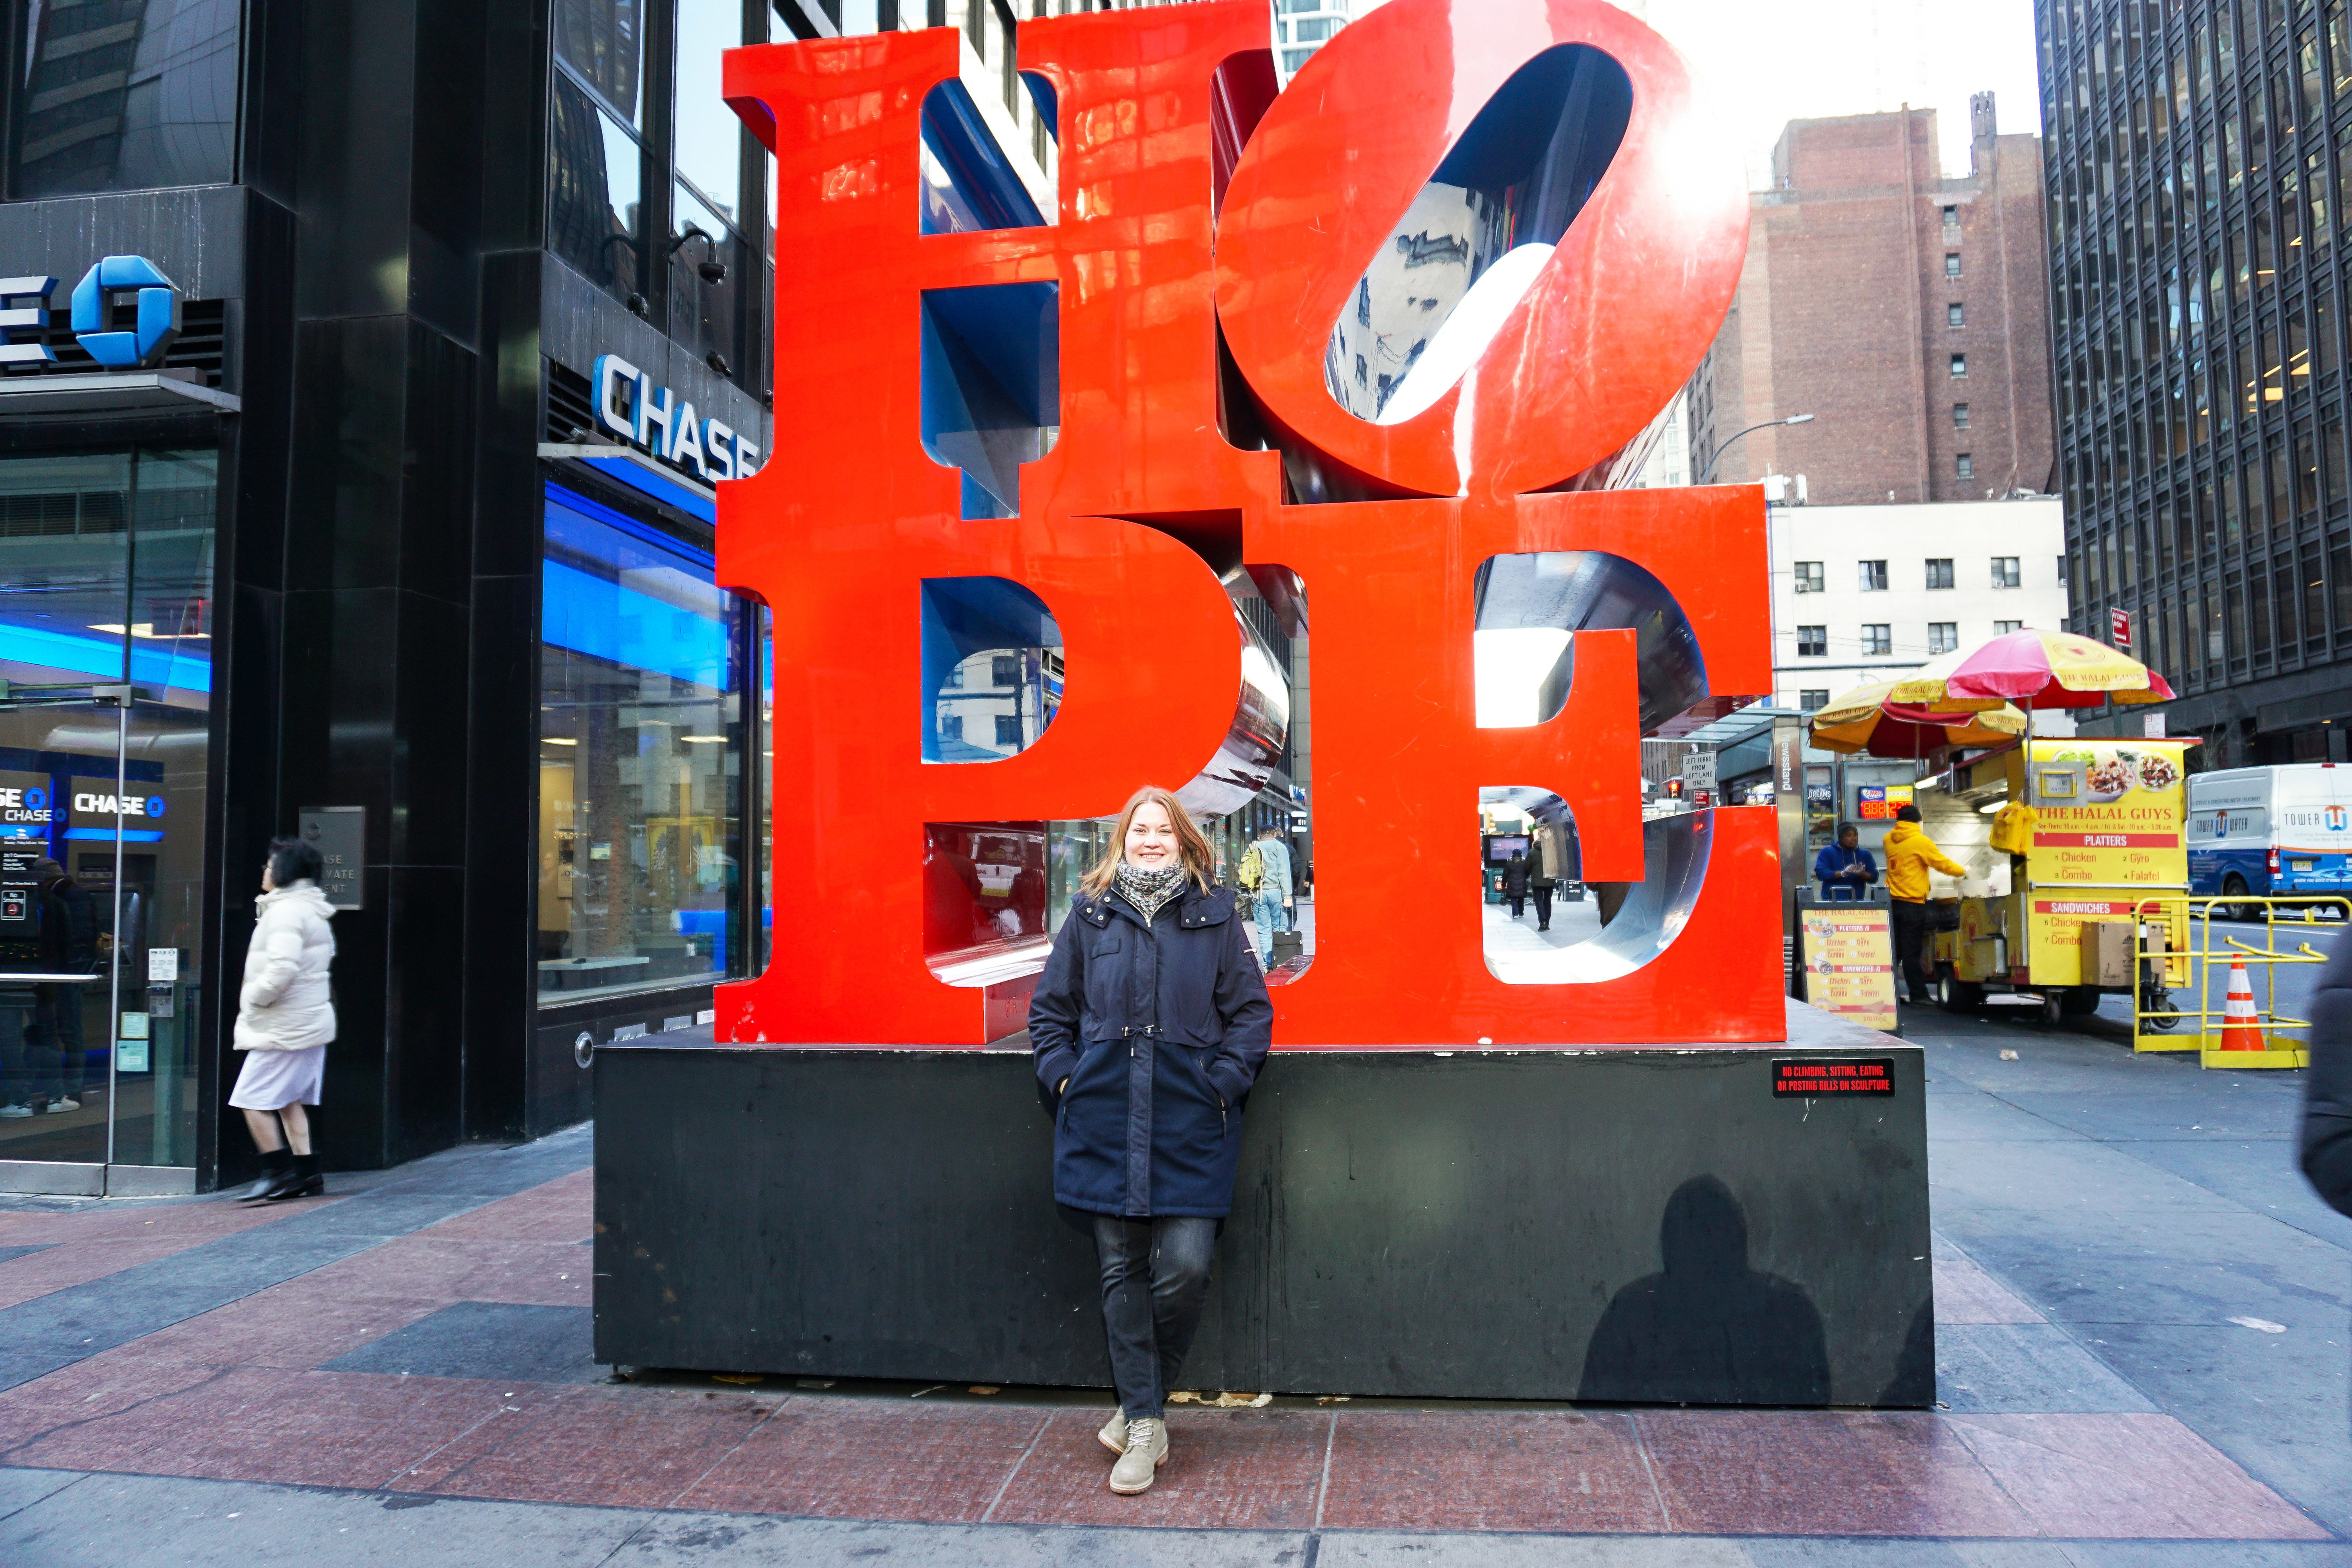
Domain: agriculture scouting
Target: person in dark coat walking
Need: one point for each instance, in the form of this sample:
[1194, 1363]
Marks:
[1515, 883]
[1148, 1029]
[2327, 1084]
[2327, 1141]
[68, 947]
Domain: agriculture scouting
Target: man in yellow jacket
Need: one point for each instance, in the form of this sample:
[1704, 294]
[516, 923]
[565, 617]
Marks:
[1910, 853]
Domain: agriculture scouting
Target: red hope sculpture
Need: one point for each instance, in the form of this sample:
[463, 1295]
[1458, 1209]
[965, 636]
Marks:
[838, 530]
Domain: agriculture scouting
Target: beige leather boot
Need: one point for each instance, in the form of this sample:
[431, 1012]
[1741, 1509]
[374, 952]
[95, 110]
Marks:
[1114, 1431]
[1147, 1450]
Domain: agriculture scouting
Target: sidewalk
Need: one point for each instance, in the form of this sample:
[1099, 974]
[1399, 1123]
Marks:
[2142, 1341]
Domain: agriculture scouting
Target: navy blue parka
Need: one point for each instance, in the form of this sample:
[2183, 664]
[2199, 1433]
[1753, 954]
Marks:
[1160, 1031]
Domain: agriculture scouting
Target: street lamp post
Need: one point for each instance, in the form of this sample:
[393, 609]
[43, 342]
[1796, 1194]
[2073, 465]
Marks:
[1717, 455]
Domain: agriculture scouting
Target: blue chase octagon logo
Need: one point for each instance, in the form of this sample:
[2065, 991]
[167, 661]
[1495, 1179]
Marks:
[158, 312]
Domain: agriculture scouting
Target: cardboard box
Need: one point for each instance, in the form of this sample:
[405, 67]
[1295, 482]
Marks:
[2108, 954]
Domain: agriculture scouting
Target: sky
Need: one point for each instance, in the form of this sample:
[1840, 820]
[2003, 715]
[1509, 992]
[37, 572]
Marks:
[1767, 62]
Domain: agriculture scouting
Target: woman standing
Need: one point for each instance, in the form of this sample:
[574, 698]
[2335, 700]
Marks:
[1148, 1027]
[286, 1016]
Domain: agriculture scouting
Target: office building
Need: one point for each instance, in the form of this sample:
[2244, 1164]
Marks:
[2198, 167]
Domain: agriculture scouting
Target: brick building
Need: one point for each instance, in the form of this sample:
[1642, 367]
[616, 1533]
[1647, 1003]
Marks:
[1905, 312]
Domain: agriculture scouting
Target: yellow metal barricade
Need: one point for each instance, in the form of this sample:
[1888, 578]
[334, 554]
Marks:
[2208, 949]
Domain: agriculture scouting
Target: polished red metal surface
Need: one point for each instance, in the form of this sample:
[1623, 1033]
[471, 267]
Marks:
[837, 532]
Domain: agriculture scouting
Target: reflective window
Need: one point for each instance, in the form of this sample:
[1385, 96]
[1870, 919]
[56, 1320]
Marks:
[709, 139]
[1809, 577]
[596, 189]
[603, 43]
[641, 723]
[707, 257]
[125, 95]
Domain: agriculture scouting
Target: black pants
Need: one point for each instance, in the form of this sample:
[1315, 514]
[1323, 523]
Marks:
[1155, 1278]
[54, 1041]
[1910, 947]
[1543, 908]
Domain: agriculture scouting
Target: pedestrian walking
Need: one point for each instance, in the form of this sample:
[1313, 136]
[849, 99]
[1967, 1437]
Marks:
[1910, 853]
[1148, 1029]
[1269, 888]
[2327, 1141]
[68, 925]
[1515, 883]
[285, 1018]
[1845, 865]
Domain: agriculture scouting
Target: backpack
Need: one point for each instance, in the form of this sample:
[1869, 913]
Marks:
[1251, 872]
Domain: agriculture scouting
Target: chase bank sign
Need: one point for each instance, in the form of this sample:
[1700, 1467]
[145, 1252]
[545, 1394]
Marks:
[25, 307]
[630, 406]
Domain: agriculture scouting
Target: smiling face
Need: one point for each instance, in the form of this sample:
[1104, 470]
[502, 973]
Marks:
[1151, 838]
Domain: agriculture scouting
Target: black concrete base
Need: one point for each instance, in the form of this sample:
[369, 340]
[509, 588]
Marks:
[1643, 1226]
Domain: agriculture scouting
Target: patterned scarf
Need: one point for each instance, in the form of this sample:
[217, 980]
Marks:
[1148, 890]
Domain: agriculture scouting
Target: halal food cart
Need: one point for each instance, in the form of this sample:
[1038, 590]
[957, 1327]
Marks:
[2064, 838]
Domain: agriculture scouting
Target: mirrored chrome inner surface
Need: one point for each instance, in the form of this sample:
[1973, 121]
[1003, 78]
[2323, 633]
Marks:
[1451, 270]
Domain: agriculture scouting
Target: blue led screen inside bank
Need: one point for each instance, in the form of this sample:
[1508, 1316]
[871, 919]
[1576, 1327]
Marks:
[640, 757]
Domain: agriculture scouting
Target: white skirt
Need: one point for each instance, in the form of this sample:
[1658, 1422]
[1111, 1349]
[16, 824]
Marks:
[273, 1079]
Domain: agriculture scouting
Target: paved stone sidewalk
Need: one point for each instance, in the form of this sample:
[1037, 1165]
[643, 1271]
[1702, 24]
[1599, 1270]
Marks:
[402, 1372]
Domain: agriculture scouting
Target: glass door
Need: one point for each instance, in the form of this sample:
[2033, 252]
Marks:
[65, 580]
[105, 680]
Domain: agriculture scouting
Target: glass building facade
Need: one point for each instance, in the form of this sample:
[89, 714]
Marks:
[2199, 167]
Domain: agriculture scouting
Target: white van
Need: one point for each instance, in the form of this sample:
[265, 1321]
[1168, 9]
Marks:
[2271, 832]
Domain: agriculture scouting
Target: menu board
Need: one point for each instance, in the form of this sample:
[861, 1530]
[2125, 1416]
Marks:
[2108, 817]
[2108, 814]
[1850, 962]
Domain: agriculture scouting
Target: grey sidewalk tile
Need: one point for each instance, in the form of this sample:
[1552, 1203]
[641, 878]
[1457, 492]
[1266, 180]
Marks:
[2275, 1404]
[496, 1340]
[20, 1489]
[8, 1252]
[381, 1213]
[2208, 1554]
[1848, 1553]
[2029, 1368]
[1351, 1549]
[155, 1522]
[58, 1329]
[728, 1541]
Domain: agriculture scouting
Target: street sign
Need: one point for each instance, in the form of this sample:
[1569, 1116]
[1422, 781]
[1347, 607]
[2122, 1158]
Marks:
[339, 835]
[2120, 627]
[1698, 772]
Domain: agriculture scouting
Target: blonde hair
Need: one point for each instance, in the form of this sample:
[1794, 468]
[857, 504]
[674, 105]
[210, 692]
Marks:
[1191, 845]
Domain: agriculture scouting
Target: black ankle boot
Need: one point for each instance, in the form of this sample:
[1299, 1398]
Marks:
[275, 1165]
[302, 1181]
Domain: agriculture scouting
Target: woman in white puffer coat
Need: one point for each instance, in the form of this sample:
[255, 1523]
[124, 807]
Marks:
[286, 1016]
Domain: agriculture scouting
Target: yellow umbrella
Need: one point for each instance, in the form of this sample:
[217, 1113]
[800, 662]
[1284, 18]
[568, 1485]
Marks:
[1867, 719]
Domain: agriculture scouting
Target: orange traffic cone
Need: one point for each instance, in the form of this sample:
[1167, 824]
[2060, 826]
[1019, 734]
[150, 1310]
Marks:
[2242, 1027]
